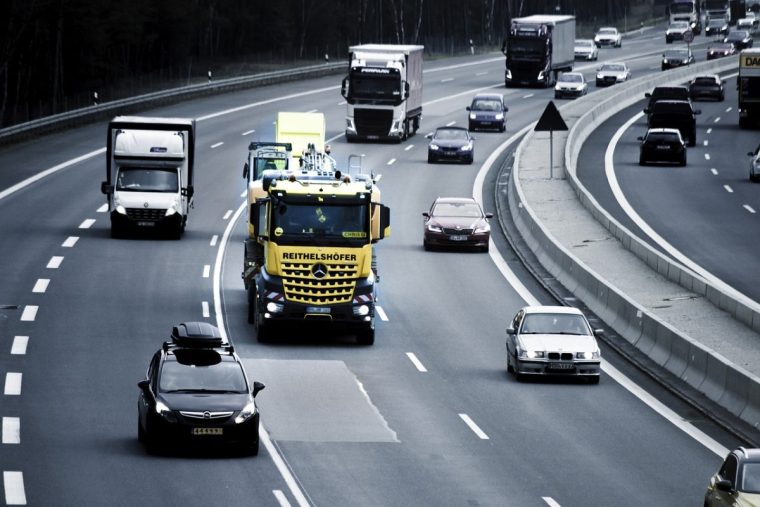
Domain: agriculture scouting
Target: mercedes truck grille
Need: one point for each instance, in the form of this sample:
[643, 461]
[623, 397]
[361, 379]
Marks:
[146, 214]
[306, 284]
[373, 122]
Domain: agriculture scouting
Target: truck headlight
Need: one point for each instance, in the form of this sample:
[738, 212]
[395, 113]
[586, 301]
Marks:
[361, 310]
[174, 208]
[248, 411]
[540, 75]
[120, 210]
[273, 307]
[508, 74]
[350, 125]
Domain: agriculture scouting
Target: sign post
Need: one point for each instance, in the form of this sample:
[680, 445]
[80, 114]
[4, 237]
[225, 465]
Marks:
[688, 38]
[550, 121]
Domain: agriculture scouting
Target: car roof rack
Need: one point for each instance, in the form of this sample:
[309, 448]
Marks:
[197, 335]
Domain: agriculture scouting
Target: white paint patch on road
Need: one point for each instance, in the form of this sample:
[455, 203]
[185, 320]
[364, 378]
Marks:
[70, 241]
[707, 156]
[416, 362]
[204, 308]
[214, 239]
[550, 501]
[242, 194]
[709, 131]
[728, 109]
[704, 143]
[216, 145]
[281, 498]
[206, 270]
[312, 111]
[381, 313]
[716, 120]
[13, 483]
[342, 103]
[527, 96]
[55, 262]
[749, 208]
[714, 171]
[41, 286]
[87, 223]
[227, 215]
[12, 384]
[11, 430]
[728, 189]
[29, 313]
[248, 132]
[449, 124]
[391, 161]
[409, 147]
[20, 343]
[481, 73]
[447, 80]
[474, 427]
[102, 209]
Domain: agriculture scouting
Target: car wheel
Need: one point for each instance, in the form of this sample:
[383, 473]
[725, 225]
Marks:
[251, 305]
[556, 95]
[693, 139]
[116, 231]
[642, 161]
[471, 159]
[366, 336]
[140, 431]
[594, 379]
[262, 330]
[253, 449]
[503, 127]
[743, 123]
[722, 97]
[753, 178]
[510, 369]
[683, 160]
[426, 246]
[668, 41]
[149, 440]
[431, 160]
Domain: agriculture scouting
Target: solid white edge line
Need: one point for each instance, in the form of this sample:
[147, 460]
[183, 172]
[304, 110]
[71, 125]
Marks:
[381, 313]
[41, 286]
[12, 384]
[281, 498]
[205, 310]
[474, 427]
[55, 262]
[416, 362]
[19, 346]
[550, 501]
[13, 482]
[70, 241]
[11, 430]
[29, 313]
[278, 460]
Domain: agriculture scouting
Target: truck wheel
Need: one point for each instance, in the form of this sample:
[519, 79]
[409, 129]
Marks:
[743, 123]
[116, 231]
[366, 336]
[251, 305]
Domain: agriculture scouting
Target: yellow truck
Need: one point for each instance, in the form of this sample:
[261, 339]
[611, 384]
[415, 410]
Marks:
[748, 85]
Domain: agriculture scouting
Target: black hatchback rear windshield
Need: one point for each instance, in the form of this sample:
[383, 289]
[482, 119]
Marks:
[662, 137]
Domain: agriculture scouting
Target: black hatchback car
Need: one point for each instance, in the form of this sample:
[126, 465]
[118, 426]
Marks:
[707, 87]
[451, 143]
[676, 114]
[196, 391]
[662, 145]
[677, 58]
[487, 111]
[740, 38]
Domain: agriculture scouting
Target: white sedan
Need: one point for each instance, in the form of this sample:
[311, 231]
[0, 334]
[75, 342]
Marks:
[585, 49]
[608, 36]
[552, 340]
[570, 85]
[611, 73]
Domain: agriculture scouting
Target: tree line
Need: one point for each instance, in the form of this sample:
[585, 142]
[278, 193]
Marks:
[55, 54]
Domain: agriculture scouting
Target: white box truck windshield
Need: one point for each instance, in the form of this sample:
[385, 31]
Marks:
[148, 179]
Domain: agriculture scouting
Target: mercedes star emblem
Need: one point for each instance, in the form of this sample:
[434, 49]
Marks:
[319, 270]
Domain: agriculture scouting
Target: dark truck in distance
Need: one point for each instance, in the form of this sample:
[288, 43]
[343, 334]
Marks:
[677, 114]
[537, 48]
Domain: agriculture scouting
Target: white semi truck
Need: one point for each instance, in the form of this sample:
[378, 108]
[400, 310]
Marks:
[383, 91]
[149, 173]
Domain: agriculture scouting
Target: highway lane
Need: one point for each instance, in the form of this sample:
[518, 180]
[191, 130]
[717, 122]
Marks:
[449, 309]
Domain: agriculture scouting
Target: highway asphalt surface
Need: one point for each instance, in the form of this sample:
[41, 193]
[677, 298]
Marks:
[426, 416]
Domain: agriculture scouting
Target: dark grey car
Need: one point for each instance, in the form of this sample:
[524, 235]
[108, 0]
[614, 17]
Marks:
[488, 111]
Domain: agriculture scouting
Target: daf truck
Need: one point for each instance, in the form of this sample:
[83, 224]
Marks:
[383, 91]
[149, 173]
[748, 83]
[537, 48]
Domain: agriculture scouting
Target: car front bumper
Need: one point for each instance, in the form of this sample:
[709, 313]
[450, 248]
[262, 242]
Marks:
[440, 239]
[576, 368]
[183, 431]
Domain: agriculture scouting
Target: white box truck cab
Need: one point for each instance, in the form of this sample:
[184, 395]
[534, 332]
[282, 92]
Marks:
[383, 91]
[149, 173]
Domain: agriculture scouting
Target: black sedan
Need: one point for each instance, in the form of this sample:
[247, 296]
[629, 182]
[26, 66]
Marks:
[740, 38]
[720, 50]
[451, 143]
[717, 26]
[677, 58]
[707, 87]
[662, 145]
[196, 391]
[456, 222]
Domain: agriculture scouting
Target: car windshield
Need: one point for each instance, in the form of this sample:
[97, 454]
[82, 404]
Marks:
[750, 478]
[447, 134]
[584, 43]
[681, 7]
[679, 24]
[607, 31]
[571, 78]
[676, 53]
[554, 323]
[147, 179]
[457, 209]
[716, 22]
[737, 35]
[720, 47]
[486, 105]
[185, 376]
[705, 81]
[613, 67]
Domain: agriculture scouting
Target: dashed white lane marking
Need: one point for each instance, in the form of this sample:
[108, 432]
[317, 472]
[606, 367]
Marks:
[709, 130]
[342, 103]
[214, 239]
[281, 498]
[550, 501]
[227, 215]
[416, 362]
[103, 208]
[716, 120]
[728, 189]
[206, 270]
[18, 348]
[527, 96]
[714, 171]
[481, 73]
[248, 132]
[13, 482]
[474, 427]
[449, 124]
[41, 286]
[409, 147]
[704, 143]
[29, 313]
[242, 194]
[728, 109]
[381, 313]
[11, 430]
[12, 384]
[447, 80]
[204, 307]
[55, 262]
[87, 223]
[749, 208]
[391, 161]
[312, 110]
[216, 145]
[707, 156]
[70, 241]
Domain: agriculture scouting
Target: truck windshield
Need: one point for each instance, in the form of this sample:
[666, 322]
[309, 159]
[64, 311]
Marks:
[265, 164]
[332, 223]
[682, 8]
[147, 179]
[377, 87]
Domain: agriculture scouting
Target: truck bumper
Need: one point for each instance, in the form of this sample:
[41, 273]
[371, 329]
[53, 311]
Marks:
[124, 221]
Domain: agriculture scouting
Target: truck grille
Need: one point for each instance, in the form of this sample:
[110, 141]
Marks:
[336, 287]
[373, 122]
[146, 214]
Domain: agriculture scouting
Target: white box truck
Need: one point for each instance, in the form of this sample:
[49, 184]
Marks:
[149, 173]
[537, 48]
[383, 91]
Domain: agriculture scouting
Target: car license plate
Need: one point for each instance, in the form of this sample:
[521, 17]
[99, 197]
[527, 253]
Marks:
[208, 431]
[146, 224]
[317, 309]
[458, 237]
[562, 366]
[663, 147]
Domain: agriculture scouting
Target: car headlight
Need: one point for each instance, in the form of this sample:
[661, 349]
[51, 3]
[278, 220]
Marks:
[467, 147]
[508, 74]
[599, 76]
[163, 411]
[596, 39]
[248, 411]
[588, 355]
[472, 116]
[499, 116]
[433, 147]
[174, 208]
[433, 227]
[664, 60]
[535, 354]
[482, 228]
[120, 210]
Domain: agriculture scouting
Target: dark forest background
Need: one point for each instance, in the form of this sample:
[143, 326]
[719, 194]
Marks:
[54, 54]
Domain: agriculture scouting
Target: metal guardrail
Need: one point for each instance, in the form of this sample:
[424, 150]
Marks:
[96, 112]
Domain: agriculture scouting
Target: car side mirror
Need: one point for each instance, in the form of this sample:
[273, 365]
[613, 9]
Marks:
[648, 95]
[640, 138]
[468, 108]
[489, 215]
[646, 111]
[750, 154]
[426, 214]
[724, 485]
[245, 170]
[473, 137]
[598, 332]
[428, 136]
[144, 385]
[257, 388]
[510, 330]
[697, 111]
[506, 109]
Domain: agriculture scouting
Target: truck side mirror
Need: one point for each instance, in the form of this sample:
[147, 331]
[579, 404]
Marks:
[189, 191]
[259, 217]
[344, 88]
[385, 221]
[246, 168]
[106, 188]
[406, 90]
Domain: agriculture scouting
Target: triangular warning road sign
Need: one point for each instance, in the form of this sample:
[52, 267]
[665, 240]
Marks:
[550, 119]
